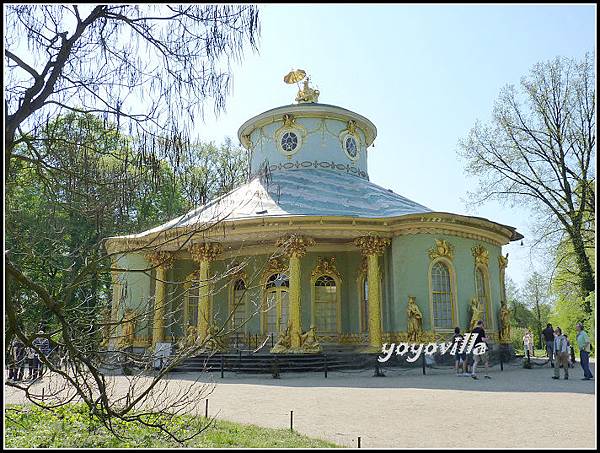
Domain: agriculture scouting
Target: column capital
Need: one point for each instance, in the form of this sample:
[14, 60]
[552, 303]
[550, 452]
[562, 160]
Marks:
[161, 259]
[205, 251]
[295, 245]
[371, 244]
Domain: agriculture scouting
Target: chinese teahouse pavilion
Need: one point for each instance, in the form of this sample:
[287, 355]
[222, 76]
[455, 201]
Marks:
[309, 242]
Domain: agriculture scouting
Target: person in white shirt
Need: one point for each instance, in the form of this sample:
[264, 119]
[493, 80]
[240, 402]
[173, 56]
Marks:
[561, 351]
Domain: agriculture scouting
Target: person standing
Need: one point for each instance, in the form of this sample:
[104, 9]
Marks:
[43, 344]
[528, 343]
[548, 334]
[18, 360]
[480, 339]
[585, 347]
[461, 357]
[561, 354]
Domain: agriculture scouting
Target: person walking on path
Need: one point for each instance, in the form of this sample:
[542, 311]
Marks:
[585, 347]
[561, 353]
[481, 338]
[548, 334]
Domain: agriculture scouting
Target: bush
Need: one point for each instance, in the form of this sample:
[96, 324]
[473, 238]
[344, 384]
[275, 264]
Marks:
[516, 337]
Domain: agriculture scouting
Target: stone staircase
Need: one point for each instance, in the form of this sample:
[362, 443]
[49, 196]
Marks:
[268, 363]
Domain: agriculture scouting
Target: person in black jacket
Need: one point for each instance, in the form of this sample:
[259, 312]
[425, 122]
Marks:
[548, 334]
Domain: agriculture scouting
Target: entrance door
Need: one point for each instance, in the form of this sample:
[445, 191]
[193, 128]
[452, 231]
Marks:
[276, 301]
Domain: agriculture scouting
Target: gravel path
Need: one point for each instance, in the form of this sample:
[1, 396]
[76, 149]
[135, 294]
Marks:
[516, 408]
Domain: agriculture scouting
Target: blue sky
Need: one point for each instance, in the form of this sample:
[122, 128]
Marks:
[422, 73]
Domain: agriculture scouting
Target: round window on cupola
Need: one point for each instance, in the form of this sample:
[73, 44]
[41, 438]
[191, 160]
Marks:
[350, 141]
[289, 136]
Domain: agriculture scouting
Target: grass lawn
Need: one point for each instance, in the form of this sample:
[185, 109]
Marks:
[71, 426]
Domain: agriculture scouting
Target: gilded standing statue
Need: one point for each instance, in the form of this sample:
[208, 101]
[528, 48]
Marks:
[505, 320]
[415, 320]
[476, 312]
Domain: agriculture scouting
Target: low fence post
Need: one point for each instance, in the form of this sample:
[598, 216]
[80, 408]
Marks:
[358, 441]
[206, 409]
[222, 365]
[291, 420]
[424, 373]
[325, 357]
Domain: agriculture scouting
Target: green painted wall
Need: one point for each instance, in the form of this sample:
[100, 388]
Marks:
[405, 267]
[410, 270]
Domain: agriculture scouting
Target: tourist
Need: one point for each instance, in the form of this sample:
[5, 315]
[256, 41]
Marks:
[528, 343]
[461, 357]
[585, 347]
[31, 361]
[561, 354]
[17, 368]
[548, 334]
[43, 345]
[481, 338]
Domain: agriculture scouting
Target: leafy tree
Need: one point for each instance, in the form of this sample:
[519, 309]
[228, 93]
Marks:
[536, 295]
[538, 150]
[146, 71]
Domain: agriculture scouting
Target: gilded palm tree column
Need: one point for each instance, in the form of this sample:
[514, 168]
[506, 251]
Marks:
[295, 247]
[373, 247]
[162, 261]
[203, 253]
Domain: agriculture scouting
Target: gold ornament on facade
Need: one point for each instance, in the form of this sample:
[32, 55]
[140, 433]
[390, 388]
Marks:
[442, 249]
[237, 272]
[274, 266]
[295, 245]
[161, 259]
[480, 254]
[325, 266]
[372, 245]
[289, 120]
[205, 251]
[351, 127]
[284, 342]
[503, 261]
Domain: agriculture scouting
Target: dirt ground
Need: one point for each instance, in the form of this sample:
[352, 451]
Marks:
[517, 408]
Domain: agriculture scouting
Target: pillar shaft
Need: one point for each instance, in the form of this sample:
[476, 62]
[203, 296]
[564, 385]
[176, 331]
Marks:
[158, 326]
[374, 301]
[372, 247]
[295, 308]
[203, 298]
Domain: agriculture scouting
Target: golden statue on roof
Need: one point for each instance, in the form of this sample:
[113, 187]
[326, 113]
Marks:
[306, 93]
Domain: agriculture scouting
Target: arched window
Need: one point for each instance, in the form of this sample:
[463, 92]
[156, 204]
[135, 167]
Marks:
[441, 296]
[480, 282]
[276, 304]
[238, 304]
[326, 305]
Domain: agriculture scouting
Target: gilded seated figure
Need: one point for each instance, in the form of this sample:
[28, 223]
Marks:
[505, 320]
[283, 343]
[476, 312]
[309, 341]
[307, 94]
[191, 337]
[213, 341]
[415, 320]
